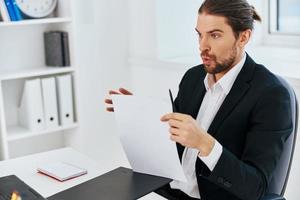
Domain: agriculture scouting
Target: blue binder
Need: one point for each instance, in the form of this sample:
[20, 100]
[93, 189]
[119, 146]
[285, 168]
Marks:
[17, 11]
[10, 10]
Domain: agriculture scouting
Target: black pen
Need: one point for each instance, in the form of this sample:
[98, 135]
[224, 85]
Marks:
[172, 101]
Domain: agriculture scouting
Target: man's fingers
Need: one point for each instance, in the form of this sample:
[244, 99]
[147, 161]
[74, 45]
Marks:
[109, 101]
[175, 116]
[166, 117]
[175, 138]
[110, 109]
[174, 131]
[124, 91]
[113, 92]
[175, 123]
[121, 91]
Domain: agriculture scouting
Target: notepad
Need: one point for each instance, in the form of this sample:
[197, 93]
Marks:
[61, 171]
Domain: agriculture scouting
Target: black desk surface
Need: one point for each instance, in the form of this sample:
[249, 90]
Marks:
[11, 183]
[118, 184]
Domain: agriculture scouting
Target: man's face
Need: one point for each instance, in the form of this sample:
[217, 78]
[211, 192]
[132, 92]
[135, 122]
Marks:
[217, 44]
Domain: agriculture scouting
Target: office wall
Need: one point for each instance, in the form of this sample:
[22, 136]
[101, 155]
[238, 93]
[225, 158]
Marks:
[101, 35]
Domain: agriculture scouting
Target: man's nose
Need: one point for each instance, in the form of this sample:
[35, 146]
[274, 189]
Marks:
[203, 44]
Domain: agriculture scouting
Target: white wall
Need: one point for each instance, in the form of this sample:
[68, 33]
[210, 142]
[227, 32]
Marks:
[101, 35]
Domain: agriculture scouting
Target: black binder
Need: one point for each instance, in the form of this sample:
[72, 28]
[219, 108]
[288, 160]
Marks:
[57, 51]
[11, 183]
[118, 184]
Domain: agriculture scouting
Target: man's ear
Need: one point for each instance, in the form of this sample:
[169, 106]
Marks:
[244, 37]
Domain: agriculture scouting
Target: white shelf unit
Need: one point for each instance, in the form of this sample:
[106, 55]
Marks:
[37, 21]
[18, 132]
[23, 57]
[27, 73]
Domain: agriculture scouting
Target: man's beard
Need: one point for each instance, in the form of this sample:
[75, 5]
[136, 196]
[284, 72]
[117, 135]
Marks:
[224, 65]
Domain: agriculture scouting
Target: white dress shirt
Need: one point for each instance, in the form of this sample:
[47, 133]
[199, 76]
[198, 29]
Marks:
[213, 99]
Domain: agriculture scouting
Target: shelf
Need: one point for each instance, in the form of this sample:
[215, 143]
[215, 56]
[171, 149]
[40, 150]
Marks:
[19, 132]
[26, 73]
[23, 58]
[36, 21]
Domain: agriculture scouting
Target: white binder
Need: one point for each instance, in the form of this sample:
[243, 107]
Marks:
[65, 99]
[50, 102]
[3, 11]
[31, 114]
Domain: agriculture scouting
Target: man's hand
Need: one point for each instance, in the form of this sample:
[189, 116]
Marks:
[184, 130]
[109, 102]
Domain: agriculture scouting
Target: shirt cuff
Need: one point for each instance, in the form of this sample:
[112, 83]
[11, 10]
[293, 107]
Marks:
[214, 156]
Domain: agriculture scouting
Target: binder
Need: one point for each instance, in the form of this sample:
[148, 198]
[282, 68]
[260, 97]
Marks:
[50, 102]
[4, 12]
[65, 47]
[53, 49]
[17, 11]
[57, 52]
[65, 99]
[31, 113]
[10, 10]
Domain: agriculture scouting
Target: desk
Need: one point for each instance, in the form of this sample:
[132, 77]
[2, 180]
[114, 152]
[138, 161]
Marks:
[25, 168]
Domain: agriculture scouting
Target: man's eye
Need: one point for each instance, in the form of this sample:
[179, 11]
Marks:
[215, 36]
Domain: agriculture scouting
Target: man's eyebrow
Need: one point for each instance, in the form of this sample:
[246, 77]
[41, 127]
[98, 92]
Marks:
[214, 30]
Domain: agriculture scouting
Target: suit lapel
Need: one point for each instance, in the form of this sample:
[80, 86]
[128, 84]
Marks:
[194, 105]
[238, 90]
[196, 100]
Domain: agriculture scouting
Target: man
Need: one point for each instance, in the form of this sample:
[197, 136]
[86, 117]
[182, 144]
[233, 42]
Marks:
[233, 114]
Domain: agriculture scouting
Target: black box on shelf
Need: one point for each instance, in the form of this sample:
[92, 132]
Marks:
[57, 51]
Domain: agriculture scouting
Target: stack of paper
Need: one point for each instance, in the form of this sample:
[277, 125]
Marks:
[146, 139]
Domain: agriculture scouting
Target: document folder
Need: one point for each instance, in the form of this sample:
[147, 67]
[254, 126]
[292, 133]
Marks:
[118, 184]
[31, 112]
[65, 99]
[50, 102]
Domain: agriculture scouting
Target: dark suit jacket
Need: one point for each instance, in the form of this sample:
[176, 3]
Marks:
[252, 124]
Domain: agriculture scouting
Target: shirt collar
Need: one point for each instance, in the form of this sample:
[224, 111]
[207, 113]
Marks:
[228, 79]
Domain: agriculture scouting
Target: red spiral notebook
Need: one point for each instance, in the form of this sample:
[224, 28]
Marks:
[61, 171]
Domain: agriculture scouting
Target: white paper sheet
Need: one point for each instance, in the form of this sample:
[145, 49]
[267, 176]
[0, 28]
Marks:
[145, 138]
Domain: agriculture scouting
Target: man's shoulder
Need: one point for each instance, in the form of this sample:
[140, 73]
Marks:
[262, 75]
[265, 82]
[195, 73]
[198, 69]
